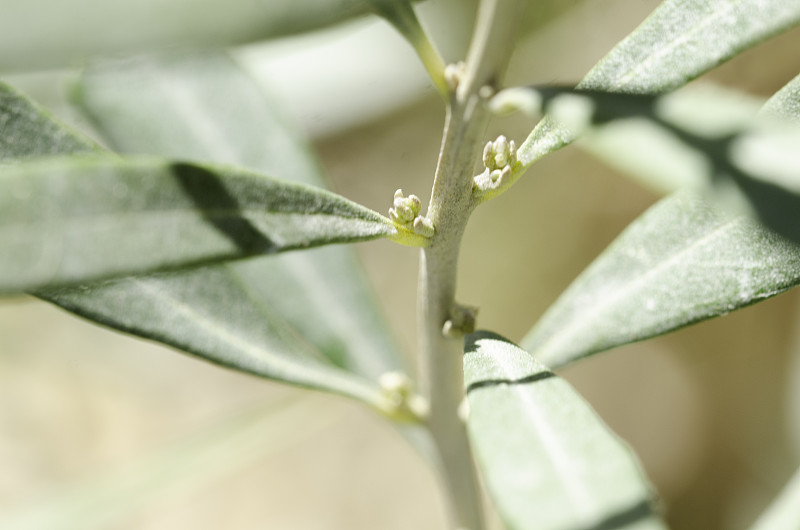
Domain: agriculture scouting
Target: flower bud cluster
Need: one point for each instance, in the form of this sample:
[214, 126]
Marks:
[405, 211]
[499, 157]
[402, 402]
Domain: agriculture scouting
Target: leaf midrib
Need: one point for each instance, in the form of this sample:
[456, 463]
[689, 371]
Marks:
[568, 332]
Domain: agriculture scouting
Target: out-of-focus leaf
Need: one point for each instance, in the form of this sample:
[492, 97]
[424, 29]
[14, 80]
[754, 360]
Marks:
[679, 41]
[771, 160]
[71, 220]
[29, 131]
[549, 462]
[681, 262]
[784, 512]
[51, 33]
[708, 139]
[653, 156]
[180, 469]
[171, 106]
[207, 311]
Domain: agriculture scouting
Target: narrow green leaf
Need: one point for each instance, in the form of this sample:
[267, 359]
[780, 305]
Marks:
[115, 496]
[549, 462]
[771, 163]
[784, 512]
[681, 262]
[174, 308]
[215, 313]
[655, 157]
[31, 40]
[170, 105]
[678, 42]
[29, 131]
[74, 220]
[711, 139]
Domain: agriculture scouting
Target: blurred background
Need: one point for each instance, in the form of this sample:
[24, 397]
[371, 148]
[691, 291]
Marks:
[93, 420]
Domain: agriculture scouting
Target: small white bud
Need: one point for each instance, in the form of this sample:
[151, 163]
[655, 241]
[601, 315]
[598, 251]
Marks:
[501, 152]
[398, 194]
[393, 216]
[449, 330]
[463, 410]
[395, 382]
[419, 406]
[453, 74]
[404, 213]
[488, 154]
[486, 91]
[414, 203]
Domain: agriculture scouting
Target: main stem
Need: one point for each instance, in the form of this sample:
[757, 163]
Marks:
[441, 357]
[441, 362]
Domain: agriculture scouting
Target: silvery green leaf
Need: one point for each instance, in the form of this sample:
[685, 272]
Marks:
[548, 460]
[209, 311]
[74, 220]
[678, 42]
[35, 35]
[151, 105]
[681, 262]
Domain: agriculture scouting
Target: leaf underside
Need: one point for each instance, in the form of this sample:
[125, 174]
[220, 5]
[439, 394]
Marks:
[247, 314]
[679, 41]
[681, 262]
[548, 460]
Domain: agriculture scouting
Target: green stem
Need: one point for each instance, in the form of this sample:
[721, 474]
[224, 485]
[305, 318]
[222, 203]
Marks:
[401, 15]
[441, 364]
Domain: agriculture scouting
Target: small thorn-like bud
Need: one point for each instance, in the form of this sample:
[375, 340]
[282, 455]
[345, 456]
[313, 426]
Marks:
[486, 91]
[463, 410]
[461, 321]
[395, 382]
[453, 74]
[449, 330]
[419, 406]
[423, 226]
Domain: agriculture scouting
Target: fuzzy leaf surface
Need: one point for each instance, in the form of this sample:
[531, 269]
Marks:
[150, 105]
[29, 131]
[71, 220]
[706, 138]
[678, 42]
[681, 262]
[548, 460]
[206, 311]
